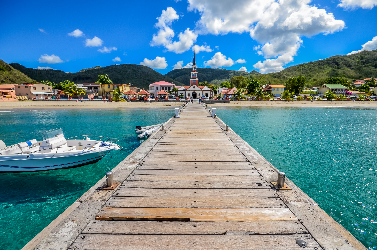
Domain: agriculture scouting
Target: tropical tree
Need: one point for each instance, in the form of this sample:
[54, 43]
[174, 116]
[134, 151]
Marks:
[175, 90]
[364, 88]
[238, 82]
[81, 92]
[226, 84]
[330, 95]
[371, 82]
[104, 79]
[116, 94]
[253, 86]
[287, 95]
[47, 82]
[295, 84]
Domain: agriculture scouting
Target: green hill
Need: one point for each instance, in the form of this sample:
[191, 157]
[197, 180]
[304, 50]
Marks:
[352, 67]
[213, 76]
[138, 75]
[356, 66]
[9, 75]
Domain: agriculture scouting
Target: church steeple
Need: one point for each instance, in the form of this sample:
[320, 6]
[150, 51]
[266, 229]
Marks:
[194, 80]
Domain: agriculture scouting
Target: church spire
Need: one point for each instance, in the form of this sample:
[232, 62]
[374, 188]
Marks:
[194, 63]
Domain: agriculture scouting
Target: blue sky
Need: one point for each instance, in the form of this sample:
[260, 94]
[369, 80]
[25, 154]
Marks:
[246, 35]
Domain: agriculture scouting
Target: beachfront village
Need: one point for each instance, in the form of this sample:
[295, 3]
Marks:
[238, 88]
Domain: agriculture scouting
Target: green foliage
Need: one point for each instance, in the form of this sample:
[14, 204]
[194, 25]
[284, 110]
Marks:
[104, 79]
[286, 95]
[330, 95]
[225, 84]
[295, 84]
[253, 86]
[371, 82]
[116, 94]
[364, 88]
[336, 80]
[238, 82]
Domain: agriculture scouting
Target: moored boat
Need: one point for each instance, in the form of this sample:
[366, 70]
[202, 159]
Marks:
[53, 152]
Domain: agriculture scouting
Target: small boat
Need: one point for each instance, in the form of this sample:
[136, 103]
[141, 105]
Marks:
[145, 132]
[53, 152]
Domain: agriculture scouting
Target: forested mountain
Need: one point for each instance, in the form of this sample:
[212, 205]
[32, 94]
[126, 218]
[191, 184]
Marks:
[216, 76]
[357, 66]
[138, 75]
[9, 75]
[352, 67]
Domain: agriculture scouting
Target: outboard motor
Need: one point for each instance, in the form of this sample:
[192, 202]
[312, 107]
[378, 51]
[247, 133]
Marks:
[138, 127]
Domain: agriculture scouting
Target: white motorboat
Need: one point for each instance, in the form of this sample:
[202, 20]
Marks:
[53, 152]
[145, 132]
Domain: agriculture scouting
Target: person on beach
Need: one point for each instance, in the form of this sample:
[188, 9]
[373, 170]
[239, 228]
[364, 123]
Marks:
[199, 100]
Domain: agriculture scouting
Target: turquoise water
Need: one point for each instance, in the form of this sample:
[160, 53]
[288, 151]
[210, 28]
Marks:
[30, 201]
[330, 153]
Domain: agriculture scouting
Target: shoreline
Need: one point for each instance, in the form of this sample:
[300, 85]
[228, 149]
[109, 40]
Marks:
[59, 105]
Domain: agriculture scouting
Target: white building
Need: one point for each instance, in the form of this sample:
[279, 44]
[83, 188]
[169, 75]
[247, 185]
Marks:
[156, 87]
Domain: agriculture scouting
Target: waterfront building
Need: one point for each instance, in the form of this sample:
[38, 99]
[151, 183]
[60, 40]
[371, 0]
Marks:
[335, 88]
[275, 90]
[106, 90]
[34, 91]
[92, 88]
[156, 87]
[7, 93]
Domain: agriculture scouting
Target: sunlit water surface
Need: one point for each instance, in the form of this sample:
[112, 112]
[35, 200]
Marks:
[329, 153]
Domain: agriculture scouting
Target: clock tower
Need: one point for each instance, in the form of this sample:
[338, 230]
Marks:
[194, 80]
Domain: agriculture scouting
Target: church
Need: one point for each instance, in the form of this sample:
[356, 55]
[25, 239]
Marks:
[194, 90]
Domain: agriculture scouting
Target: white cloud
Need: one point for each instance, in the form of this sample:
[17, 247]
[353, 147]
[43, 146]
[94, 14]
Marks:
[107, 50]
[44, 68]
[219, 60]
[277, 25]
[76, 33]
[243, 68]
[369, 46]
[94, 42]
[50, 59]
[197, 48]
[157, 63]
[116, 59]
[241, 61]
[42, 30]
[351, 4]
[166, 34]
[179, 65]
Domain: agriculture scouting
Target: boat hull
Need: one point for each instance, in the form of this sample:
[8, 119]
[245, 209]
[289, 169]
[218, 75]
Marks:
[44, 162]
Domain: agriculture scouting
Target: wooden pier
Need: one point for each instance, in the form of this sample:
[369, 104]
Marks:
[195, 185]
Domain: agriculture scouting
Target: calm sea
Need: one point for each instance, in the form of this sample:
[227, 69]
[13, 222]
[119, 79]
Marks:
[329, 153]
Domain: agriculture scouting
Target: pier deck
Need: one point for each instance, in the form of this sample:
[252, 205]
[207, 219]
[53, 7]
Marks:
[195, 186]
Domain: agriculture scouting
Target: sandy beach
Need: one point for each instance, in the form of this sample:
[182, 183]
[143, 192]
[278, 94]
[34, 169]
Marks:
[113, 105]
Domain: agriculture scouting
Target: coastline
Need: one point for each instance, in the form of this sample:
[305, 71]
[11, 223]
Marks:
[25, 105]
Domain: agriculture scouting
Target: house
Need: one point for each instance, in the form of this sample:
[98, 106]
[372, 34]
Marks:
[194, 90]
[34, 91]
[106, 90]
[358, 84]
[335, 88]
[7, 93]
[275, 90]
[135, 89]
[92, 88]
[156, 87]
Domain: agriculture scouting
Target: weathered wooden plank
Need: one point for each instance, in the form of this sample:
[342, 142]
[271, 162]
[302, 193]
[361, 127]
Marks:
[197, 228]
[193, 242]
[196, 178]
[244, 193]
[259, 183]
[195, 172]
[196, 202]
[183, 158]
[176, 165]
[197, 214]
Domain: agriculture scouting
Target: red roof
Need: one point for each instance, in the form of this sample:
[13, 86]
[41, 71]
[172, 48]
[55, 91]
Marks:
[130, 92]
[275, 86]
[162, 83]
[143, 92]
[162, 92]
